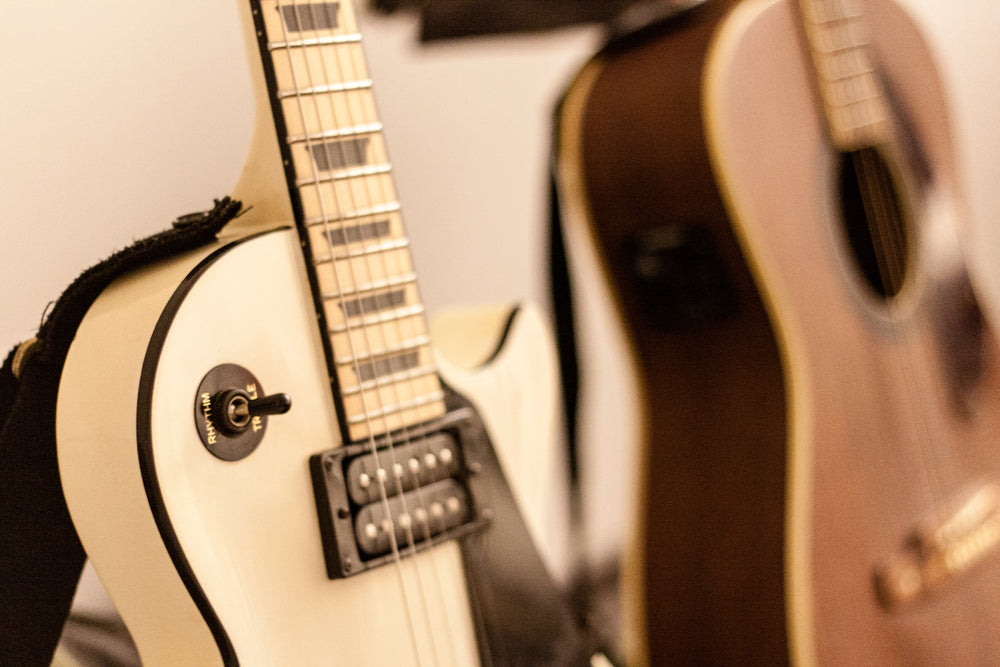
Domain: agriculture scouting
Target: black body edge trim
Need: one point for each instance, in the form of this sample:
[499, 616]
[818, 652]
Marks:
[145, 450]
[502, 342]
[281, 130]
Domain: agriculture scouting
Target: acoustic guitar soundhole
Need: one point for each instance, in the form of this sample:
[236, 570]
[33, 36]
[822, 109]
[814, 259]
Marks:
[874, 221]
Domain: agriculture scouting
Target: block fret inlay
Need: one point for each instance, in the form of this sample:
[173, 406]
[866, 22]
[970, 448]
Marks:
[311, 16]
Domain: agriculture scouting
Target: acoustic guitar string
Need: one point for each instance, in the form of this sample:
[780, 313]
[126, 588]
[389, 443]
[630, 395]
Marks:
[895, 224]
[883, 210]
[939, 467]
[888, 247]
[375, 191]
[890, 243]
[326, 222]
[890, 200]
[887, 219]
[876, 204]
[891, 248]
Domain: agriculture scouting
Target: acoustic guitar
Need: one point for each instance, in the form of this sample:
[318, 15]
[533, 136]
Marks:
[769, 189]
[264, 457]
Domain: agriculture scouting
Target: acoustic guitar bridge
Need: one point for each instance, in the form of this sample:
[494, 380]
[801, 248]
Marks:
[946, 545]
[395, 496]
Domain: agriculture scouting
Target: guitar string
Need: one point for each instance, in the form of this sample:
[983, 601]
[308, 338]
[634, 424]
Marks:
[892, 232]
[326, 220]
[388, 524]
[881, 198]
[888, 230]
[878, 198]
[375, 191]
[943, 463]
[424, 514]
[890, 246]
[372, 195]
[940, 473]
[939, 463]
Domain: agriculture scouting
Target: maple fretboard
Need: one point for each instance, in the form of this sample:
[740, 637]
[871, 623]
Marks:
[340, 181]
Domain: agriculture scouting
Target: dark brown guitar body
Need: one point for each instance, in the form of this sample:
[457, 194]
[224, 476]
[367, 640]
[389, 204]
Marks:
[799, 426]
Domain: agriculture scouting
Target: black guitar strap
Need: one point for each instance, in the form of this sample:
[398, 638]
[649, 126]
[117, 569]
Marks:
[41, 557]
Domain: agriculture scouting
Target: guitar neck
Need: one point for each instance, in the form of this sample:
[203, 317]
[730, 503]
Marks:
[345, 206]
[853, 101]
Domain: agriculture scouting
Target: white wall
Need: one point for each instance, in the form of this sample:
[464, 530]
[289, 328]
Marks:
[964, 37]
[117, 116]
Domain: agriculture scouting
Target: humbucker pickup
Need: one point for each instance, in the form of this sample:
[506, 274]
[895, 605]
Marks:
[396, 496]
[411, 517]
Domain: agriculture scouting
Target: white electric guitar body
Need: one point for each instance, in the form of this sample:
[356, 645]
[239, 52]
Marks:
[256, 445]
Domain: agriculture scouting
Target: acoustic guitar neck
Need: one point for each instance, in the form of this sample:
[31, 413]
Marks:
[837, 36]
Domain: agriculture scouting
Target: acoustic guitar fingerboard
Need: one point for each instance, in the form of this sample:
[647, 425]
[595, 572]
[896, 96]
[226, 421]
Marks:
[838, 37]
[341, 184]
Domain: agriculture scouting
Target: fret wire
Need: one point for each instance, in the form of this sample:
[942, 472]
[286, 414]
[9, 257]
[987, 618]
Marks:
[414, 374]
[374, 286]
[381, 318]
[335, 196]
[385, 246]
[405, 346]
[402, 406]
[851, 90]
[855, 117]
[852, 98]
[401, 395]
[315, 41]
[357, 130]
[346, 174]
[371, 211]
[866, 106]
[842, 66]
[827, 11]
[841, 37]
[323, 89]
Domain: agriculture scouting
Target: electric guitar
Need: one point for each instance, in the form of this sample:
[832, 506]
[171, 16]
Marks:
[769, 189]
[265, 459]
